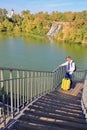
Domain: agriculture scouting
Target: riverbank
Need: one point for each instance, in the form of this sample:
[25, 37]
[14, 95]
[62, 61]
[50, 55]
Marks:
[67, 32]
[30, 36]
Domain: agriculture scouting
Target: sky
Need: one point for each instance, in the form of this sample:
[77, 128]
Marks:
[44, 5]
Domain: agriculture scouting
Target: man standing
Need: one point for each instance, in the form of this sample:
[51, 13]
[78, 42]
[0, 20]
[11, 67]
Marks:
[70, 67]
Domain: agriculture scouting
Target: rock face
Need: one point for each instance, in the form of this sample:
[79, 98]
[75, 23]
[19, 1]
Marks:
[55, 29]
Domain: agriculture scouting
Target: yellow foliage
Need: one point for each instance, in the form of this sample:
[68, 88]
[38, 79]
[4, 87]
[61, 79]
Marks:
[1, 26]
[16, 28]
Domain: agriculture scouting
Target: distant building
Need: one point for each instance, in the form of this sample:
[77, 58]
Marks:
[11, 14]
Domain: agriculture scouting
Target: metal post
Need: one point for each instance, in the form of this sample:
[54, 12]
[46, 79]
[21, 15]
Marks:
[31, 85]
[15, 94]
[35, 84]
[43, 83]
[3, 96]
[11, 93]
[46, 83]
[27, 87]
[2, 77]
[52, 81]
[49, 86]
[7, 97]
[84, 98]
[38, 84]
[23, 87]
[18, 91]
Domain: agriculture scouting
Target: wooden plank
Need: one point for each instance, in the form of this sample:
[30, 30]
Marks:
[75, 91]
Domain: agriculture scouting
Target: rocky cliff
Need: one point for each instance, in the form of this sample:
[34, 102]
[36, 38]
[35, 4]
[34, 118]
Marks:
[66, 31]
[55, 29]
[58, 27]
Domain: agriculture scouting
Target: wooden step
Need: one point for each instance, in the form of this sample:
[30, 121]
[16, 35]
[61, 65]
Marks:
[77, 107]
[56, 104]
[53, 115]
[59, 112]
[65, 98]
[21, 125]
[58, 107]
[53, 122]
[62, 95]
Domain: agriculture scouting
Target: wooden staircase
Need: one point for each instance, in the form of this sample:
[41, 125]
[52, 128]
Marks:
[58, 110]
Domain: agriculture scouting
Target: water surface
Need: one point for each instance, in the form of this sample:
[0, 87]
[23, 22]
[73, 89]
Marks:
[38, 53]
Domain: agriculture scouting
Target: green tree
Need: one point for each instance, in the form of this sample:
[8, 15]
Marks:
[3, 13]
[1, 27]
[17, 29]
[8, 25]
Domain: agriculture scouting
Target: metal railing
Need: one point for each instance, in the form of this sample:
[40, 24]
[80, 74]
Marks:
[58, 75]
[79, 75]
[19, 87]
[84, 98]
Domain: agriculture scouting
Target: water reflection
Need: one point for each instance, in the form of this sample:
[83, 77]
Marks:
[77, 51]
[38, 53]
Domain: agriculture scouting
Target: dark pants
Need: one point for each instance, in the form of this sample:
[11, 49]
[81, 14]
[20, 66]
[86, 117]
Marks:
[69, 76]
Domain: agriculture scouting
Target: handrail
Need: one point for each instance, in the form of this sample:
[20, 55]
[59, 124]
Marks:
[84, 98]
[58, 74]
[18, 69]
[55, 69]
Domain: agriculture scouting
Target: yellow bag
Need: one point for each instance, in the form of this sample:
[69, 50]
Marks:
[65, 84]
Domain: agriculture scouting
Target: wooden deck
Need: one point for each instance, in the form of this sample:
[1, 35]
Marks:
[58, 110]
[75, 90]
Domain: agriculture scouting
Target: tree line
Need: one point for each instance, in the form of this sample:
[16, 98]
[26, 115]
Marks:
[40, 23]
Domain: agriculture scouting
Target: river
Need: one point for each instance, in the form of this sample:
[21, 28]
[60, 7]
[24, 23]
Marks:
[38, 53]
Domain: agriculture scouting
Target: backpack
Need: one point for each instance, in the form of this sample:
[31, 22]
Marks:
[75, 65]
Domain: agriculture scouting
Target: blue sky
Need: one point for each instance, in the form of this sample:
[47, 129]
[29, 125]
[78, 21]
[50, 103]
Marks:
[44, 5]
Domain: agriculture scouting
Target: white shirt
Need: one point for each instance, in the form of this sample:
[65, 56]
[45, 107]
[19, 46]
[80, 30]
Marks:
[72, 66]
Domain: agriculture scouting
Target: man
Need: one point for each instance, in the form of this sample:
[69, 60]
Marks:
[70, 67]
